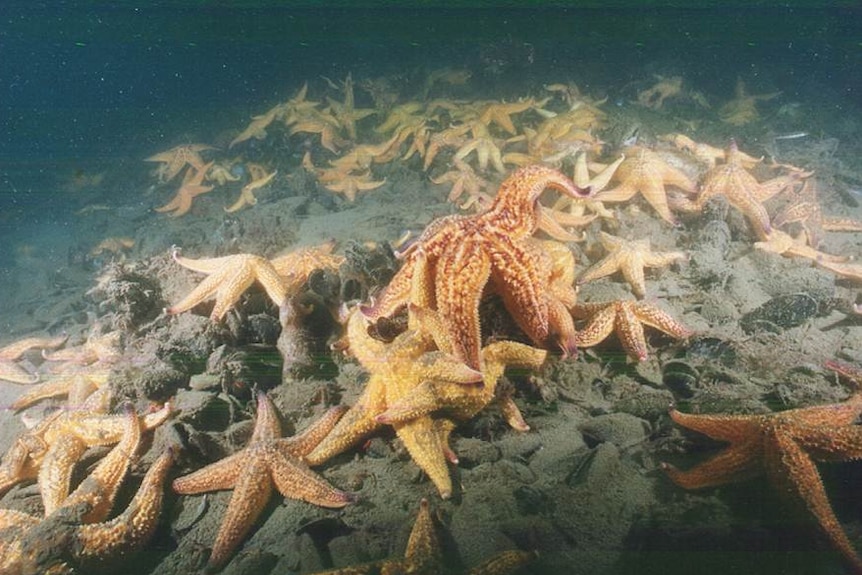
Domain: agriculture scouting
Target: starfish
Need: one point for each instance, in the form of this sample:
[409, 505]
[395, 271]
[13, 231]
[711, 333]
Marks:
[804, 210]
[99, 349]
[258, 125]
[627, 319]
[424, 554]
[76, 533]
[707, 154]
[484, 146]
[500, 113]
[11, 371]
[850, 270]
[779, 242]
[783, 446]
[268, 460]
[177, 158]
[417, 392]
[463, 179]
[228, 277]
[351, 184]
[742, 109]
[663, 89]
[452, 137]
[741, 189]
[246, 195]
[191, 188]
[401, 115]
[317, 122]
[646, 172]
[629, 257]
[50, 451]
[466, 253]
[345, 112]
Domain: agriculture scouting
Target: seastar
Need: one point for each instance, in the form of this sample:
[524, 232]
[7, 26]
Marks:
[351, 184]
[629, 257]
[783, 446]
[466, 253]
[246, 195]
[177, 158]
[268, 460]
[191, 188]
[627, 319]
[646, 172]
[228, 277]
[415, 389]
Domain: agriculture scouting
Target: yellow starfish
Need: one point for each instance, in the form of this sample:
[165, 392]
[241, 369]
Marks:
[246, 196]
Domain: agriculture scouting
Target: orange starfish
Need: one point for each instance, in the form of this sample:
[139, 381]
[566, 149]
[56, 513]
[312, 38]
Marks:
[191, 188]
[469, 252]
[741, 189]
[627, 319]
[783, 446]
[267, 461]
[11, 371]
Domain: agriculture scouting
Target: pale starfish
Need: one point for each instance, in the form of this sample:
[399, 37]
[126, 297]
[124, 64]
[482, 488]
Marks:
[484, 146]
[780, 242]
[228, 277]
[11, 371]
[629, 257]
[351, 184]
[177, 158]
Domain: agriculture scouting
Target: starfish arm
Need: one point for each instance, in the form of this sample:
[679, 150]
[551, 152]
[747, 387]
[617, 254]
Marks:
[55, 473]
[230, 291]
[729, 428]
[423, 550]
[135, 526]
[422, 400]
[214, 477]
[99, 490]
[251, 492]
[516, 276]
[630, 332]
[659, 319]
[356, 424]
[656, 196]
[633, 272]
[202, 292]
[459, 280]
[673, 177]
[202, 265]
[600, 326]
[621, 193]
[794, 473]
[13, 518]
[427, 449]
[295, 481]
[305, 442]
[839, 442]
[736, 463]
[562, 327]
[12, 372]
[608, 265]
[272, 283]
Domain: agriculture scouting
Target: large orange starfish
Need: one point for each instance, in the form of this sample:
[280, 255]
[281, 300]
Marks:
[269, 460]
[783, 446]
[466, 253]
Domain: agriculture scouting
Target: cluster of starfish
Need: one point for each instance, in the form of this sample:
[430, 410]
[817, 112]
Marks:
[74, 532]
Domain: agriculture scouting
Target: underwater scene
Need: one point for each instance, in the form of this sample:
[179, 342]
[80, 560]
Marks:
[481, 289]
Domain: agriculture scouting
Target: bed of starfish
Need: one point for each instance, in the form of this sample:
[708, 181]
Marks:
[531, 269]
